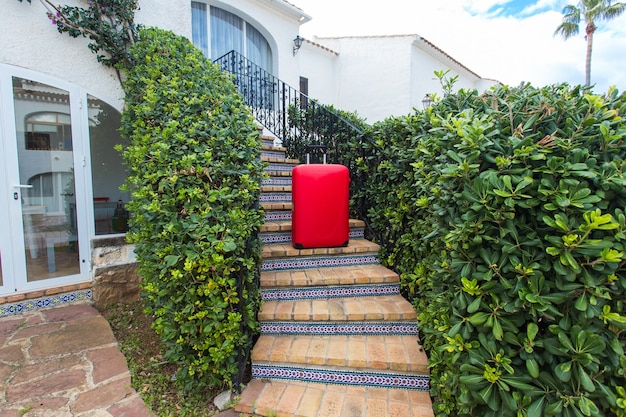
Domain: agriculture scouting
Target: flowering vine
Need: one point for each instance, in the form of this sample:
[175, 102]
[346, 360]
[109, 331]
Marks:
[109, 24]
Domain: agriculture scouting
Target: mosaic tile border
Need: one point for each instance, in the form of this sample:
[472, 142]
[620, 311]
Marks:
[341, 377]
[344, 329]
[275, 197]
[267, 142]
[55, 300]
[279, 167]
[312, 293]
[285, 237]
[315, 262]
[277, 216]
[273, 154]
[276, 181]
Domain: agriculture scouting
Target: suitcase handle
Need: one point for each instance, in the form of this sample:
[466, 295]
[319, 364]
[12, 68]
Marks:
[311, 148]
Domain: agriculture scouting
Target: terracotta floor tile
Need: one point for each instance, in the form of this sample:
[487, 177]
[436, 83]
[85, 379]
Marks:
[376, 407]
[302, 310]
[376, 355]
[357, 353]
[310, 404]
[319, 310]
[299, 349]
[353, 406]
[280, 349]
[337, 349]
[284, 310]
[290, 400]
[332, 404]
[317, 350]
[266, 403]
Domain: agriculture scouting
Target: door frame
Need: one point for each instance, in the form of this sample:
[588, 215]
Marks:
[12, 243]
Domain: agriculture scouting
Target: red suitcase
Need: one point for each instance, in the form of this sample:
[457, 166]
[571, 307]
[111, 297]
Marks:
[320, 194]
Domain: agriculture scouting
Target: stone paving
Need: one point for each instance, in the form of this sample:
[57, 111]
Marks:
[64, 362]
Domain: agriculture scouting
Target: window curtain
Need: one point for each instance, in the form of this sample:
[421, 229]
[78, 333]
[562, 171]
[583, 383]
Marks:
[258, 50]
[199, 34]
[226, 33]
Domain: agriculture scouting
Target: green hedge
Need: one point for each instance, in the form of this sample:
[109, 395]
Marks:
[194, 158]
[504, 214]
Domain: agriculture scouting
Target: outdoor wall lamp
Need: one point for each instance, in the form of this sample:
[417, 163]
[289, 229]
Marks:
[297, 43]
[427, 101]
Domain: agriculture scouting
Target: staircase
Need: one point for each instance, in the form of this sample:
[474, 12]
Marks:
[337, 338]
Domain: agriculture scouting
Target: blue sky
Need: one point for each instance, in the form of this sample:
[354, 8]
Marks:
[507, 40]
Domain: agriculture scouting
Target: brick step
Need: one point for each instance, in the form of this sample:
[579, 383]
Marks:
[361, 353]
[266, 146]
[291, 398]
[276, 188]
[375, 308]
[276, 206]
[277, 158]
[341, 275]
[356, 246]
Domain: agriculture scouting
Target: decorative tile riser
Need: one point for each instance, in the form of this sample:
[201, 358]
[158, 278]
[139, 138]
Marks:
[326, 292]
[389, 328]
[277, 216]
[342, 377]
[273, 154]
[306, 262]
[45, 302]
[276, 181]
[267, 142]
[285, 237]
[275, 197]
[273, 167]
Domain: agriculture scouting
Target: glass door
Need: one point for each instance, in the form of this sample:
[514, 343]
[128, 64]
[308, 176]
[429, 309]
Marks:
[47, 248]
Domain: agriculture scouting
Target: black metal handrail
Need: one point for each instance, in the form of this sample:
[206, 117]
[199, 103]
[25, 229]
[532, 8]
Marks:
[294, 118]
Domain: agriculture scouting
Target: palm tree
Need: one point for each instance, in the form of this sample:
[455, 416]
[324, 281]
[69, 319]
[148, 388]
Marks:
[591, 11]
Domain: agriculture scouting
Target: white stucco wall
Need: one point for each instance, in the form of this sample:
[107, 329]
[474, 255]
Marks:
[320, 66]
[381, 76]
[30, 40]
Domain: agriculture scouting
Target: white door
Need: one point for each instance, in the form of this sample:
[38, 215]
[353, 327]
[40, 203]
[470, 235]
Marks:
[44, 241]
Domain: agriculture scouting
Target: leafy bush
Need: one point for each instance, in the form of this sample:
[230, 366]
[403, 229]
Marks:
[194, 158]
[504, 214]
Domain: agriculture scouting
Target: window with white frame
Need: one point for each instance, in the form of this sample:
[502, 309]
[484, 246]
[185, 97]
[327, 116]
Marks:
[228, 32]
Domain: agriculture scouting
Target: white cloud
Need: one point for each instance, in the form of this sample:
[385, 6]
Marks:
[508, 48]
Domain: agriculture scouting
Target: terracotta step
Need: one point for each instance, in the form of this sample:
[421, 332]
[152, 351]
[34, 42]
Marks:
[343, 275]
[276, 189]
[277, 158]
[290, 398]
[393, 353]
[271, 148]
[375, 308]
[355, 246]
[276, 206]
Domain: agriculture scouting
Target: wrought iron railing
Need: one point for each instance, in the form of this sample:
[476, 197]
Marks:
[294, 118]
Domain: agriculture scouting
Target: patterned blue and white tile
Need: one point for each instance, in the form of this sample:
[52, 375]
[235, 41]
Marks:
[325, 292]
[309, 262]
[343, 377]
[384, 328]
[55, 300]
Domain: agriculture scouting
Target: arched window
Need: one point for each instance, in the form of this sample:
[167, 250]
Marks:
[228, 32]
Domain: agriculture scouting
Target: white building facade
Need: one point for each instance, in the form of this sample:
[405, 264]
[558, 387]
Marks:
[60, 111]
